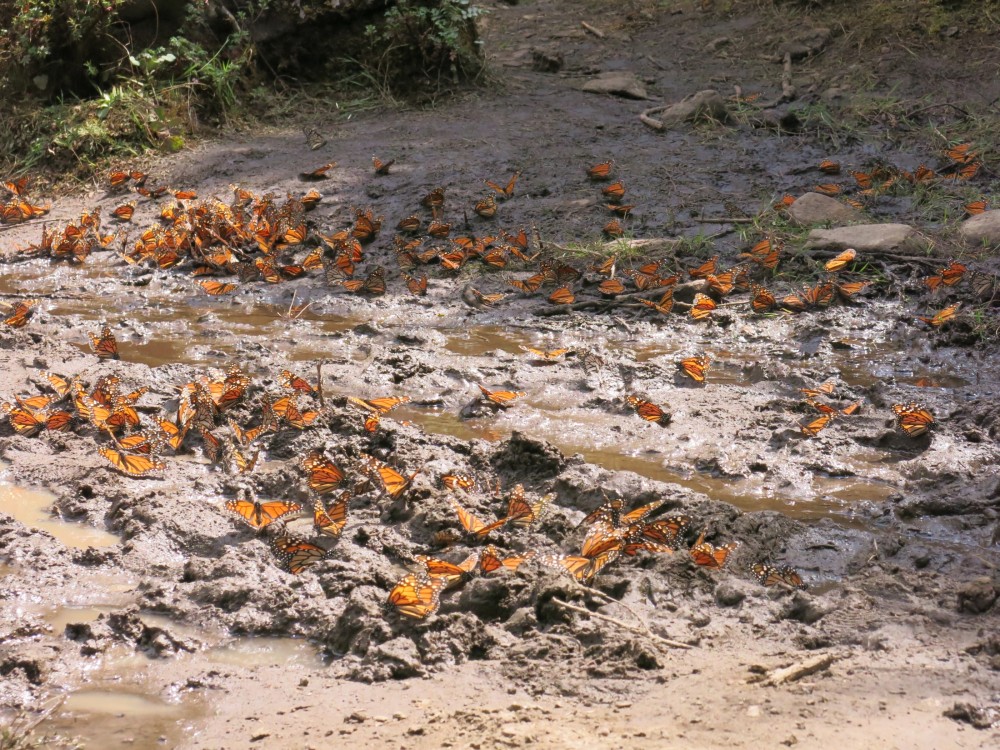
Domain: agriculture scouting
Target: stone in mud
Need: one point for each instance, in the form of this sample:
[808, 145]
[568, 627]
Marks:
[546, 62]
[618, 83]
[983, 229]
[401, 656]
[803, 44]
[813, 208]
[977, 596]
[863, 237]
[730, 593]
[525, 456]
[704, 105]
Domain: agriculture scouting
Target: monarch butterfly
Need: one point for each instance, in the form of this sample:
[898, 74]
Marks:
[621, 210]
[490, 560]
[584, 569]
[381, 167]
[151, 193]
[614, 192]
[706, 554]
[394, 483]
[173, 434]
[952, 274]
[124, 212]
[296, 554]
[665, 531]
[613, 229]
[320, 173]
[487, 299]
[721, 284]
[185, 195]
[373, 283]
[611, 288]
[942, 316]
[288, 409]
[439, 229]
[820, 295]
[332, 520]
[216, 288]
[20, 312]
[34, 403]
[702, 307]
[649, 411]
[259, 515]
[965, 173]
[243, 463]
[416, 596]
[104, 346]
[529, 285]
[863, 179]
[924, 174]
[366, 226]
[705, 269]
[133, 465]
[117, 178]
[416, 287]
[851, 409]
[410, 225]
[380, 405]
[828, 188]
[766, 253]
[602, 538]
[840, 262]
[851, 288]
[695, 367]
[762, 300]
[600, 171]
[769, 575]
[314, 139]
[434, 199]
[606, 267]
[562, 296]
[58, 383]
[547, 355]
[785, 202]
[456, 482]
[505, 191]
[293, 382]
[522, 513]
[560, 274]
[961, 153]
[496, 257]
[976, 207]
[829, 167]
[26, 422]
[475, 525]
[793, 303]
[825, 389]
[913, 419]
[487, 207]
[817, 425]
[323, 475]
[502, 399]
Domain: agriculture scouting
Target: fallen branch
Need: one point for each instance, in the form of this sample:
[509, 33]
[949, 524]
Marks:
[639, 630]
[787, 89]
[795, 671]
[592, 29]
[651, 122]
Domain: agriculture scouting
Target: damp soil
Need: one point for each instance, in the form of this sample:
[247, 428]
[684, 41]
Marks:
[149, 617]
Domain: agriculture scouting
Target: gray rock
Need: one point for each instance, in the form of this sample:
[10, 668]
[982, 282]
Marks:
[804, 44]
[703, 105]
[982, 229]
[814, 208]
[977, 596]
[863, 237]
[618, 83]
[730, 593]
[401, 656]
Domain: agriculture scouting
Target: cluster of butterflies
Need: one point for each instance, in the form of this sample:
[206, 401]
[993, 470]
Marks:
[17, 208]
[612, 532]
[960, 163]
[912, 419]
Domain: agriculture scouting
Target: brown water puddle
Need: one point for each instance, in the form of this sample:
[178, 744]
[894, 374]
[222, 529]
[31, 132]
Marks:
[32, 508]
[115, 717]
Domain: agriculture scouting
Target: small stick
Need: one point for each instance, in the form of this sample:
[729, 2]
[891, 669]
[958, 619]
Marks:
[798, 671]
[319, 383]
[593, 30]
[650, 121]
[624, 625]
[787, 89]
[726, 220]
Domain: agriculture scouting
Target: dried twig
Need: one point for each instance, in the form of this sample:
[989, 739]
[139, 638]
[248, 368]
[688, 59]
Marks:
[796, 671]
[639, 630]
[592, 29]
[319, 382]
[725, 220]
[787, 89]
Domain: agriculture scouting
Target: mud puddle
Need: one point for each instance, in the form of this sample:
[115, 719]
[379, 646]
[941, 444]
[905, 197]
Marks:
[33, 509]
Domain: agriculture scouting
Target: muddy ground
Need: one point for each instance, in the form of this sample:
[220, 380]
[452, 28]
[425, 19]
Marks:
[162, 620]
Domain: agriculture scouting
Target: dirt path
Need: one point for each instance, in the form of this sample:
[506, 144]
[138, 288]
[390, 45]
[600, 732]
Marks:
[148, 602]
